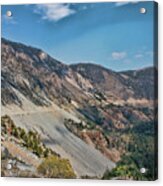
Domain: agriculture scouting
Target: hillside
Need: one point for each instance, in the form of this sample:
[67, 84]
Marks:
[43, 79]
[86, 113]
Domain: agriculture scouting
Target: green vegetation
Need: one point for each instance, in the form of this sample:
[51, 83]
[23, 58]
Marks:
[52, 166]
[71, 125]
[135, 141]
[125, 169]
[31, 139]
[140, 152]
[55, 167]
[92, 113]
[134, 137]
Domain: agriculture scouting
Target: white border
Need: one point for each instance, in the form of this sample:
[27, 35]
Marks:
[48, 182]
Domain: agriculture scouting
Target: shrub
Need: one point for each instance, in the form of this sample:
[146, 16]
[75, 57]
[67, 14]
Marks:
[55, 167]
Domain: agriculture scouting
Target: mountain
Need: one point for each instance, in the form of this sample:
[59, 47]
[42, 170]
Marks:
[104, 80]
[80, 110]
[143, 82]
[43, 79]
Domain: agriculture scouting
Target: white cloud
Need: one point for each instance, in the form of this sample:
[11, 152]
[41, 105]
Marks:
[118, 55]
[54, 12]
[138, 56]
[118, 4]
[121, 3]
[143, 54]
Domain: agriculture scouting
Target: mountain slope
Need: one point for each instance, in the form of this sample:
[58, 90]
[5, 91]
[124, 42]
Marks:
[103, 80]
[84, 112]
[42, 79]
[30, 83]
[143, 82]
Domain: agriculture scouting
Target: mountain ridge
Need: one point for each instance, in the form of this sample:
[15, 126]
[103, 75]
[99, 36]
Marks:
[34, 73]
[4, 40]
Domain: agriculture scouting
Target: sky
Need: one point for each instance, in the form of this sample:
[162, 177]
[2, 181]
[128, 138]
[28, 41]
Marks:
[114, 35]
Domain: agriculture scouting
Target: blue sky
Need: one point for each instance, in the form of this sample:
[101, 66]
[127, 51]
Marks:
[115, 35]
